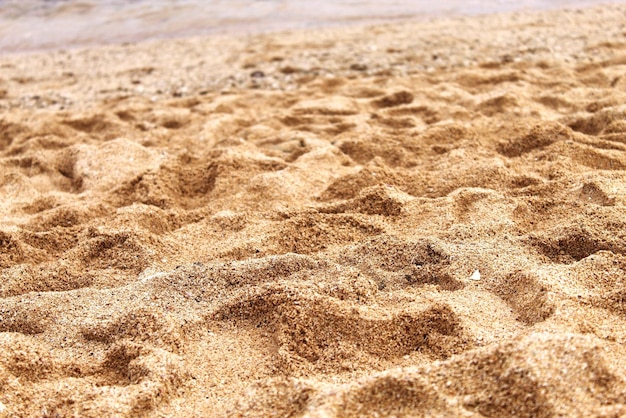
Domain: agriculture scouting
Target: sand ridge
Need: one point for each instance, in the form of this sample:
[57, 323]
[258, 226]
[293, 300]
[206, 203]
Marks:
[290, 224]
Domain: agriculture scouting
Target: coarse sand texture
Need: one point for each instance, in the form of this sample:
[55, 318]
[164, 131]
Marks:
[419, 219]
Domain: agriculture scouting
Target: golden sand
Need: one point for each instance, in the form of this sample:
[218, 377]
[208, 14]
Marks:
[424, 219]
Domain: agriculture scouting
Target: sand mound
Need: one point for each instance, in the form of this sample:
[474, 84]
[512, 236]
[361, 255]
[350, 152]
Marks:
[380, 221]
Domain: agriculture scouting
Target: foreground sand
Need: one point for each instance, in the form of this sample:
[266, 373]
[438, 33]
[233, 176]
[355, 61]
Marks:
[424, 219]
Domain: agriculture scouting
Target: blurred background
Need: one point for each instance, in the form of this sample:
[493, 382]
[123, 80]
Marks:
[29, 25]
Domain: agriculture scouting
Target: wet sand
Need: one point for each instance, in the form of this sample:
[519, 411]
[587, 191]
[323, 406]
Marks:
[36, 25]
[418, 219]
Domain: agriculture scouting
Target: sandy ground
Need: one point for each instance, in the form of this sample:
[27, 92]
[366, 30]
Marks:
[423, 219]
[36, 25]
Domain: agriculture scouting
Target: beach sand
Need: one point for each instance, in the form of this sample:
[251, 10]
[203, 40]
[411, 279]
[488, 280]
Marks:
[418, 219]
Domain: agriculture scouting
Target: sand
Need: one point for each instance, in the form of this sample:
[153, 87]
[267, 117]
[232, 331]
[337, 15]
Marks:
[418, 219]
[35, 25]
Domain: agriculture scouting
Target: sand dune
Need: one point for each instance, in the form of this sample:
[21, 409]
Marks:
[424, 219]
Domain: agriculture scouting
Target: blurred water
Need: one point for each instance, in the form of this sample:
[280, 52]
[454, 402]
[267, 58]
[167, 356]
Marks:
[44, 24]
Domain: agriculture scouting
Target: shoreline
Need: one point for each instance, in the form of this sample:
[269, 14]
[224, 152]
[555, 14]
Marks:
[125, 63]
[123, 23]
